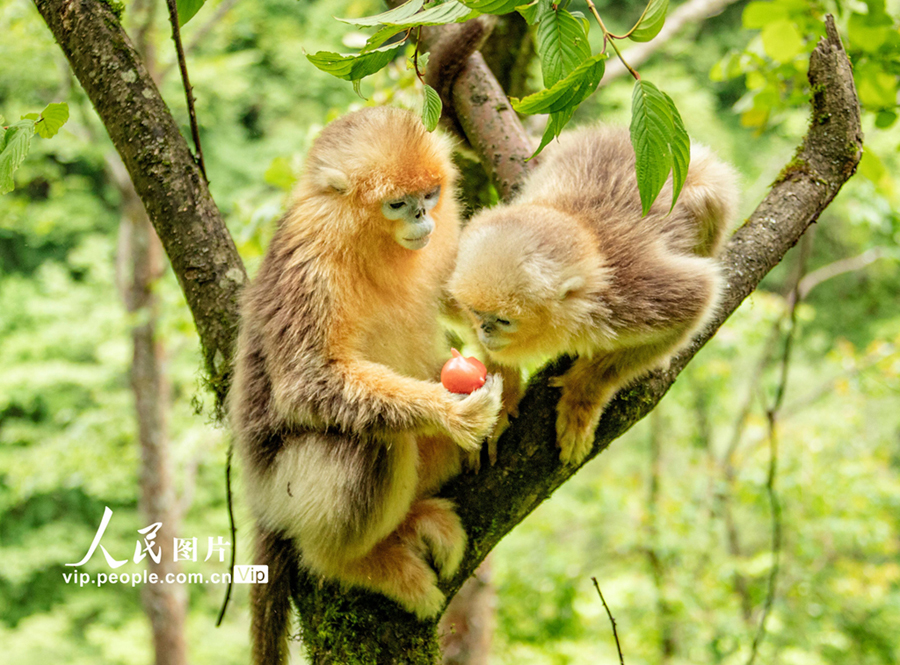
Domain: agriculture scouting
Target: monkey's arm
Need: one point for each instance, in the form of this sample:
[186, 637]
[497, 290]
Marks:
[355, 394]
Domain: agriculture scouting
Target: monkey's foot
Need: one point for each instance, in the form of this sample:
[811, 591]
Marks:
[427, 604]
[437, 528]
[576, 424]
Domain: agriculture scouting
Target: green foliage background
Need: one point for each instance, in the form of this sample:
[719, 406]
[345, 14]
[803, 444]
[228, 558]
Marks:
[67, 426]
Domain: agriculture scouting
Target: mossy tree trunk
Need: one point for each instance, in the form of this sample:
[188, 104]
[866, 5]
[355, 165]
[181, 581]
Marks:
[355, 627]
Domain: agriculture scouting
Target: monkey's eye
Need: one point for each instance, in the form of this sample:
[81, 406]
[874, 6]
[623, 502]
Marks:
[503, 322]
[396, 205]
[433, 193]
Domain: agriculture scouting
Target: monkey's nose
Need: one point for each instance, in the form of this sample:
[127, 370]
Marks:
[420, 213]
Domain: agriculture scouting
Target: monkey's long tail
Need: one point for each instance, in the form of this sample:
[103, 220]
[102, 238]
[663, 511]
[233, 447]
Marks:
[271, 602]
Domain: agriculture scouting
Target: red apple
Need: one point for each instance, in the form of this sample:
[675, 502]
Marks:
[463, 375]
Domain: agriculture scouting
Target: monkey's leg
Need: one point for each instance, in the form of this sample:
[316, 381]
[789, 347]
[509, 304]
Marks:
[590, 384]
[342, 499]
[433, 527]
[394, 568]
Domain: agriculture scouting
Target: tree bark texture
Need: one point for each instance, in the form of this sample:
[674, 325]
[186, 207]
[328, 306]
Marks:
[350, 626]
[162, 168]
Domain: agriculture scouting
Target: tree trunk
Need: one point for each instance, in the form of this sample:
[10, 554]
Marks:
[165, 604]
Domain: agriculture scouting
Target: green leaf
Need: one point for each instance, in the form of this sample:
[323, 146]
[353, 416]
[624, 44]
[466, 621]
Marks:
[555, 126]
[660, 142]
[354, 67]
[681, 152]
[187, 9]
[449, 12]
[758, 15]
[431, 108]
[566, 93]
[52, 119]
[875, 87]
[380, 38]
[782, 41]
[280, 174]
[14, 145]
[392, 17]
[562, 43]
[530, 12]
[651, 21]
[868, 32]
[885, 119]
[873, 169]
[498, 7]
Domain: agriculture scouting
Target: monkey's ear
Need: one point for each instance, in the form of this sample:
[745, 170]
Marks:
[570, 286]
[331, 178]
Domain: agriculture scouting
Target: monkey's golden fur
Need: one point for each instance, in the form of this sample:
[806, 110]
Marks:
[343, 432]
[571, 267]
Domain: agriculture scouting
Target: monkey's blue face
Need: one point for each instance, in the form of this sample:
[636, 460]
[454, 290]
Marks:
[494, 331]
[413, 224]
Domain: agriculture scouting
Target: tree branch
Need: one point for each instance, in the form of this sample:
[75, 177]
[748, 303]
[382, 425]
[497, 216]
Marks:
[164, 173]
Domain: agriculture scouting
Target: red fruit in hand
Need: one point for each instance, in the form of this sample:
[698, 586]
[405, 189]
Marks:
[463, 375]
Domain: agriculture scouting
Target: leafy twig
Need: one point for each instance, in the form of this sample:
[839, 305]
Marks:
[188, 90]
[611, 620]
[611, 38]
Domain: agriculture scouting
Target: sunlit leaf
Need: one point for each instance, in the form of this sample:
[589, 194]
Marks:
[392, 17]
[187, 9]
[651, 22]
[431, 108]
[354, 67]
[782, 41]
[280, 174]
[51, 120]
[566, 93]
[497, 7]
[758, 15]
[14, 146]
[449, 12]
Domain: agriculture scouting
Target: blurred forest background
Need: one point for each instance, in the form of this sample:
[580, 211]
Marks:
[674, 520]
